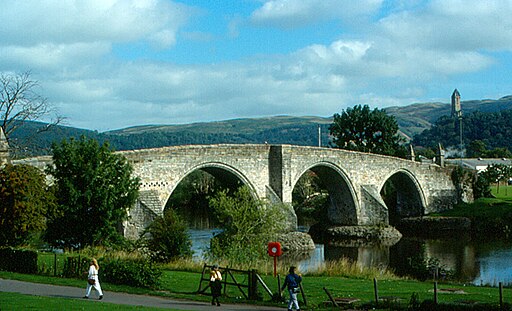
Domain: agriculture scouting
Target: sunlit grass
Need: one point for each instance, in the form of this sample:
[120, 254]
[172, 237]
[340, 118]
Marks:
[346, 268]
[15, 301]
[503, 192]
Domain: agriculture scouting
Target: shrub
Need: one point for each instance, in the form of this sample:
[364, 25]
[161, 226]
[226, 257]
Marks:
[133, 272]
[167, 238]
[75, 266]
[248, 225]
[18, 260]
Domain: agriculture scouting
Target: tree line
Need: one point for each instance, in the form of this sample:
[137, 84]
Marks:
[93, 188]
[484, 134]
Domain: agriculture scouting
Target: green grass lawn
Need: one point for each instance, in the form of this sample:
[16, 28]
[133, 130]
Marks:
[15, 302]
[502, 192]
[178, 284]
[184, 285]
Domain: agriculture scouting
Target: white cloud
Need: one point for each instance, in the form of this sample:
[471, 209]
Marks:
[51, 56]
[453, 25]
[69, 46]
[293, 13]
[35, 22]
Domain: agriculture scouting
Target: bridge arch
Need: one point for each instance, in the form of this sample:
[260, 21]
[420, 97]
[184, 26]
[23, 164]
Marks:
[228, 174]
[403, 196]
[343, 199]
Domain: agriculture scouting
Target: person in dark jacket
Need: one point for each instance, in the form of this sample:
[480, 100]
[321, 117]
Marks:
[292, 282]
[215, 284]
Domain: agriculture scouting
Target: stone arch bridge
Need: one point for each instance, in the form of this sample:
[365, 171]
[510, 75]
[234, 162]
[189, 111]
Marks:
[354, 180]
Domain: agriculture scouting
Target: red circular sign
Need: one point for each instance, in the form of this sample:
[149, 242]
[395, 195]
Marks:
[274, 249]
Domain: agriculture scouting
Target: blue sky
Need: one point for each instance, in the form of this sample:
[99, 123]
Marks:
[109, 64]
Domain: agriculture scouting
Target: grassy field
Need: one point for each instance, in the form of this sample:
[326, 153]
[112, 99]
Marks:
[502, 192]
[178, 284]
[15, 302]
[360, 285]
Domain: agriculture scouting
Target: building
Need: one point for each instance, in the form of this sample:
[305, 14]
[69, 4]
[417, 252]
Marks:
[479, 164]
[456, 108]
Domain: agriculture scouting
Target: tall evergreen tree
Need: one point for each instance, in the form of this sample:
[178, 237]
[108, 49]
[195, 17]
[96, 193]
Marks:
[95, 189]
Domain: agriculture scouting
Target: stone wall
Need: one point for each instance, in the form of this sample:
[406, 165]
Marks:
[354, 179]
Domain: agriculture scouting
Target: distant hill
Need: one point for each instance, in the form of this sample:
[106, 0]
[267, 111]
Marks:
[412, 120]
[271, 130]
[415, 118]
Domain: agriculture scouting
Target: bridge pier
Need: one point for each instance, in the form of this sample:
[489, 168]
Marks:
[355, 181]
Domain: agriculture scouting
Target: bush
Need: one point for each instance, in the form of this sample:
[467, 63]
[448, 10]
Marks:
[18, 260]
[132, 272]
[76, 266]
[249, 224]
[166, 238]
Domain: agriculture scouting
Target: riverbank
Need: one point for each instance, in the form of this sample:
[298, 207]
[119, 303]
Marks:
[490, 218]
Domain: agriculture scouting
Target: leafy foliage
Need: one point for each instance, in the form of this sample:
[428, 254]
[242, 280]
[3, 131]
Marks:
[132, 272]
[481, 187]
[310, 199]
[486, 134]
[248, 225]
[24, 203]
[190, 199]
[362, 129]
[18, 260]
[167, 238]
[95, 188]
[490, 217]
[497, 173]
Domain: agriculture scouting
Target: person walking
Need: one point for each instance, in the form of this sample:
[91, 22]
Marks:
[93, 280]
[292, 282]
[215, 284]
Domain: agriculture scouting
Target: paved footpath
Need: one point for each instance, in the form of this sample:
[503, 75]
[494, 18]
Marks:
[119, 298]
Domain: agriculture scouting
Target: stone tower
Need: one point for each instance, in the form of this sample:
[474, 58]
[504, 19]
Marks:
[4, 149]
[456, 108]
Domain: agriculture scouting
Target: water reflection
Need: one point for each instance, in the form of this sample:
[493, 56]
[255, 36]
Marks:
[201, 241]
[479, 263]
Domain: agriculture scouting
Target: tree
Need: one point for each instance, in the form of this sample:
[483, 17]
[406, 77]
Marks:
[167, 238]
[361, 129]
[248, 225]
[190, 198]
[478, 149]
[95, 189]
[20, 102]
[497, 173]
[24, 203]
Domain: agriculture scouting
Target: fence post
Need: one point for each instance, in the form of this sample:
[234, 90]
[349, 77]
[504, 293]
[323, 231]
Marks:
[376, 291]
[501, 296]
[435, 293]
[54, 264]
[303, 295]
[253, 283]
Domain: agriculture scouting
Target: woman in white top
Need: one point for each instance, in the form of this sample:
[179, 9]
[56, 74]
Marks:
[93, 280]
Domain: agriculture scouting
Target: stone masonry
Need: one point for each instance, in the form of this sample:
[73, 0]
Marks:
[354, 179]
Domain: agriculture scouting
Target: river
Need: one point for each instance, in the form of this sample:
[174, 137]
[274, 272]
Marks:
[478, 263]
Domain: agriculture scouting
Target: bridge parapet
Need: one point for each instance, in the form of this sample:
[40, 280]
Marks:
[355, 180]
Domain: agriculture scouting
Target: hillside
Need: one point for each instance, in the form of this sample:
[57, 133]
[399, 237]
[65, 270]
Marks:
[415, 118]
[412, 120]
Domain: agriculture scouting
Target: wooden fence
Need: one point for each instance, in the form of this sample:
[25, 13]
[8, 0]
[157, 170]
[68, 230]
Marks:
[248, 286]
